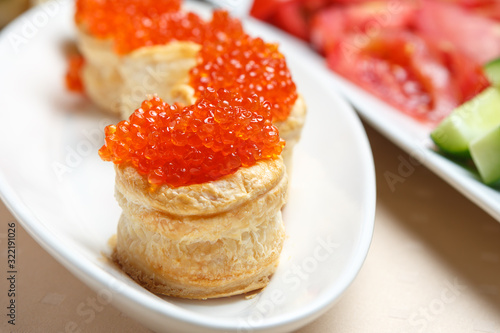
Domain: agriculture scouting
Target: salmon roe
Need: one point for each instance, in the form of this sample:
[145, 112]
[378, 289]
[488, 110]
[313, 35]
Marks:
[133, 24]
[160, 30]
[202, 142]
[248, 66]
[105, 18]
[229, 58]
[73, 75]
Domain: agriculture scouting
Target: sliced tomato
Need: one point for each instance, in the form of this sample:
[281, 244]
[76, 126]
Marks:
[313, 6]
[491, 11]
[327, 28]
[264, 9]
[459, 30]
[400, 68]
[293, 18]
[330, 24]
[470, 3]
[468, 76]
[350, 2]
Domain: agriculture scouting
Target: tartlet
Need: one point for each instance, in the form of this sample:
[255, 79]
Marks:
[112, 36]
[201, 213]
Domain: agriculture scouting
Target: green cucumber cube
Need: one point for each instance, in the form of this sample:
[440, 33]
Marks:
[492, 71]
[467, 122]
[485, 152]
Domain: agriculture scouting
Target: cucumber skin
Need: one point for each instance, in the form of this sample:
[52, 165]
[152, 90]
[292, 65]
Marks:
[492, 71]
[454, 134]
[485, 152]
[444, 134]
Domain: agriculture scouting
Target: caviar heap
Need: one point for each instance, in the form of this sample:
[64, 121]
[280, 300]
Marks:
[202, 142]
[229, 58]
[135, 23]
[248, 66]
[104, 19]
[132, 24]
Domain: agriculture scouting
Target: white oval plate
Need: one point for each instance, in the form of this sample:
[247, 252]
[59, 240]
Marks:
[52, 179]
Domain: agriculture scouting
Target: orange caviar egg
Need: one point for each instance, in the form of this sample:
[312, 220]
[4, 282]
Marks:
[180, 26]
[176, 26]
[248, 66]
[73, 75]
[105, 18]
[223, 28]
[180, 146]
[133, 24]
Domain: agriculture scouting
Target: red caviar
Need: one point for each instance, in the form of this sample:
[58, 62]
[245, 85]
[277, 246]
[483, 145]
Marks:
[248, 66]
[133, 24]
[195, 144]
[137, 33]
[176, 26]
[105, 18]
[229, 58]
[73, 75]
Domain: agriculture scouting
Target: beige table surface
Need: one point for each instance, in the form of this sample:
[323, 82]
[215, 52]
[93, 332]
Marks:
[433, 266]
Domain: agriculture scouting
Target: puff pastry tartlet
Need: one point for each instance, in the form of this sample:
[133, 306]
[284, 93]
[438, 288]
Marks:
[201, 195]
[133, 48]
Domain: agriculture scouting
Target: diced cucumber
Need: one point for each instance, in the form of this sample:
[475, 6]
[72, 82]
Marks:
[485, 151]
[467, 122]
[492, 70]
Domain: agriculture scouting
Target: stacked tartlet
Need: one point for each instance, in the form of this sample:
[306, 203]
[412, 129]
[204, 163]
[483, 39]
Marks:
[201, 188]
[199, 167]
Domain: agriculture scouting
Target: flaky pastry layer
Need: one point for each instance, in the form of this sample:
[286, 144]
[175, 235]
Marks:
[119, 83]
[202, 241]
[290, 130]
[101, 73]
[156, 70]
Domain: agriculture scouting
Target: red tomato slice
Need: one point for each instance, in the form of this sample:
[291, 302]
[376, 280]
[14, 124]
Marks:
[491, 11]
[470, 3]
[468, 76]
[400, 68]
[456, 29]
[330, 24]
[312, 6]
[292, 18]
[351, 2]
[327, 28]
[263, 9]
